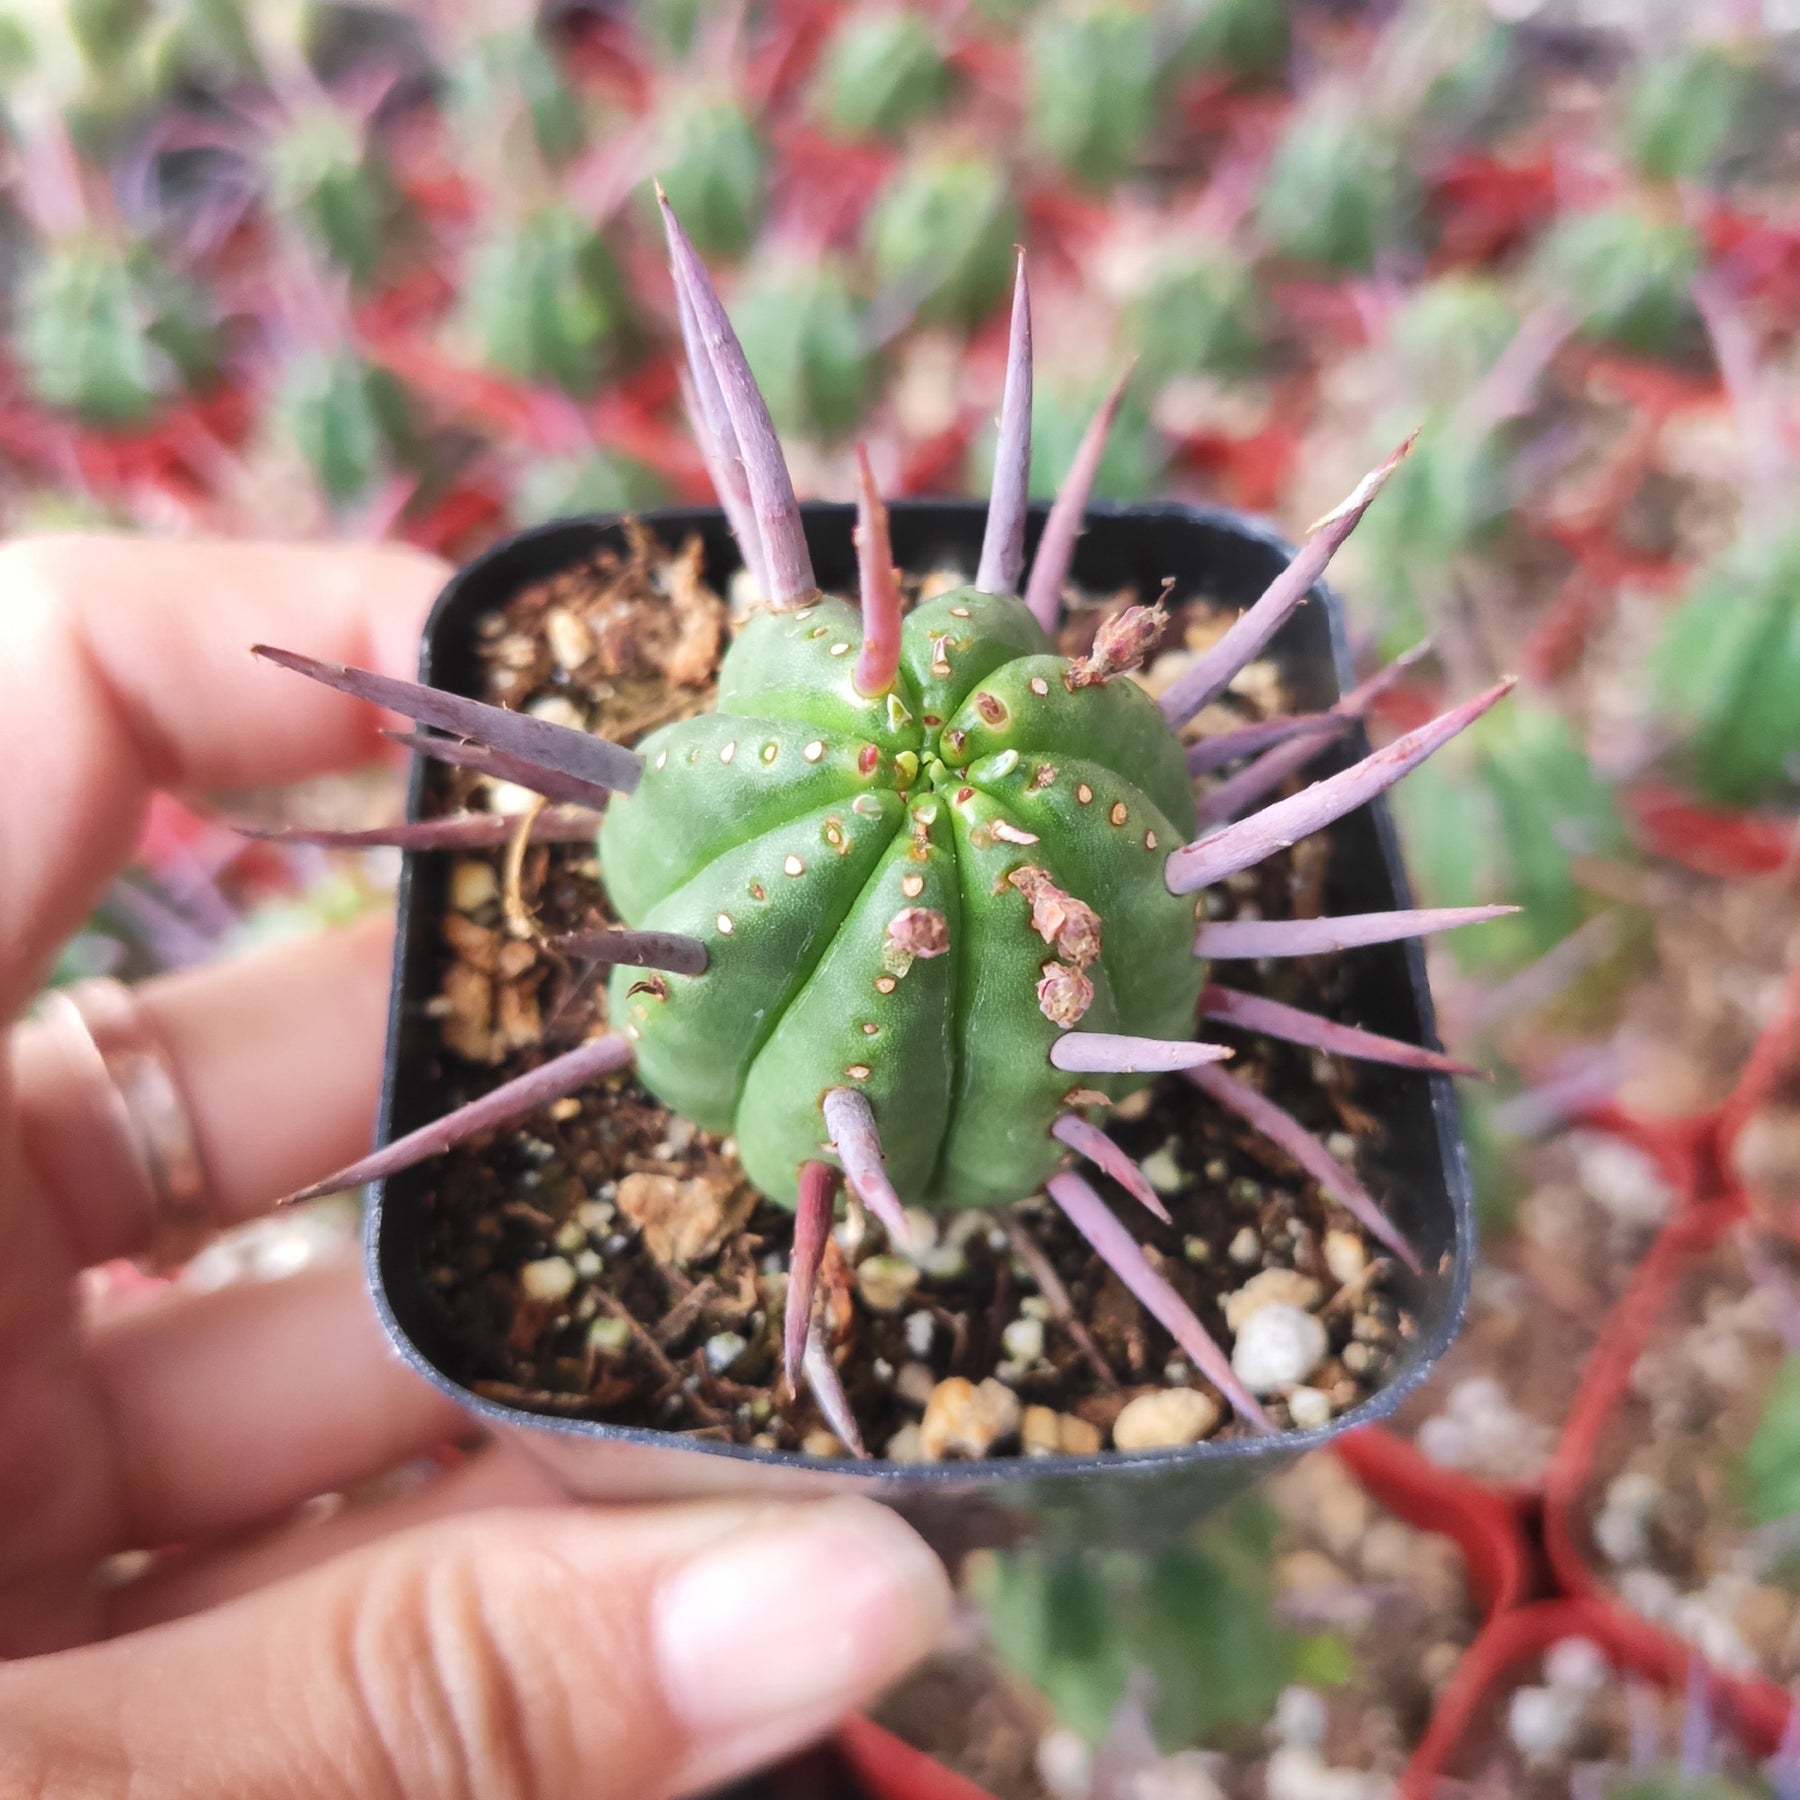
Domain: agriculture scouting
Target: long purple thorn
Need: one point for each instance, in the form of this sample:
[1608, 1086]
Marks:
[851, 1121]
[1230, 1006]
[1090, 1141]
[486, 760]
[1003, 540]
[1108, 1053]
[828, 1389]
[1224, 747]
[1211, 859]
[641, 949]
[879, 659]
[812, 1225]
[716, 435]
[1288, 1135]
[1232, 795]
[719, 453]
[1212, 672]
[787, 561]
[555, 747]
[461, 831]
[1241, 940]
[1050, 567]
[510, 1101]
[1121, 1252]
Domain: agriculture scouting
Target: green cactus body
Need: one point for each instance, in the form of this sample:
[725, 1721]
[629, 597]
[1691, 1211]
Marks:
[897, 893]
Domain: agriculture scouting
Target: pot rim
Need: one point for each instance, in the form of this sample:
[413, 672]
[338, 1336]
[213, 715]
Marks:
[986, 1472]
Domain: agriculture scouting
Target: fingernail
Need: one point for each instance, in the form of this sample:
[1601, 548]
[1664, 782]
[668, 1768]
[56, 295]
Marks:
[803, 1613]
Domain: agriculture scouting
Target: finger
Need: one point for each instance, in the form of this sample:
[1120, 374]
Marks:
[496, 1475]
[534, 1654]
[230, 1407]
[277, 1056]
[126, 662]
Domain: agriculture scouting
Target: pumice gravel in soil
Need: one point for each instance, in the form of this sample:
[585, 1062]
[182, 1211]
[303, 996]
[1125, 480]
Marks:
[911, 906]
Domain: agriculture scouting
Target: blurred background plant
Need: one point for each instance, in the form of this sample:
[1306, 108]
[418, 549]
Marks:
[315, 268]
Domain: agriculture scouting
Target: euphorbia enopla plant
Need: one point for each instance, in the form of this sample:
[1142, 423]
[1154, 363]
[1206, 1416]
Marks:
[921, 895]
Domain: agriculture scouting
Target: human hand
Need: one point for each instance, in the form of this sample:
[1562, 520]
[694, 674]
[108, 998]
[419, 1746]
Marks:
[469, 1637]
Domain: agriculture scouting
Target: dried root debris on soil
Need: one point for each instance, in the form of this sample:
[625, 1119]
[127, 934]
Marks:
[609, 1260]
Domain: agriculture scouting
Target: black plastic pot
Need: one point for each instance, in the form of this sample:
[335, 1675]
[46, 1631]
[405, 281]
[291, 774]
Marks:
[1111, 1497]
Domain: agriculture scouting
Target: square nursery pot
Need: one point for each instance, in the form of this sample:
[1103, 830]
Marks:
[1117, 1497]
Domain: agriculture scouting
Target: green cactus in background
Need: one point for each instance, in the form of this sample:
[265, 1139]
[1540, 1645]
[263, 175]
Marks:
[880, 71]
[1250, 39]
[349, 420]
[1628, 276]
[111, 331]
[501, 70]
[1336, 193]
[808, 342]
[1448, 499]
[1201, 315]
[582, 483]
[712, 166]
[326, 178]
[1522, 800]
[1683, 111]
[1094, 81]
[1450, 333]
[1199, 1616]
[543, 300]
[942, 231]
[1769, 1476]
[1683, 1784]
[1130, 461]
[1727, 671]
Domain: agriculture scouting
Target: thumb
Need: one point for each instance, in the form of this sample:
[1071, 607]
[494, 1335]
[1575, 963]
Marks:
[536, 1654]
